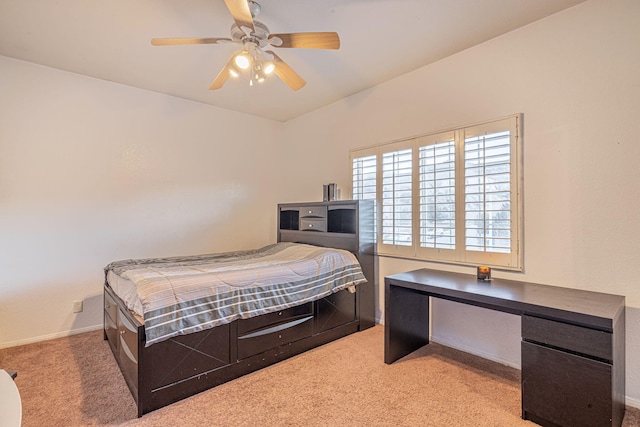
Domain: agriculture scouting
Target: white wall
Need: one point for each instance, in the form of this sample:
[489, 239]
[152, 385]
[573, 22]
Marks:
[574, 76]
[92, 171]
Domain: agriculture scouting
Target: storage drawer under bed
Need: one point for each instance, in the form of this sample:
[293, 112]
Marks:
[253, 324]
[262, 333]
[110, 306]
[128, 346]
[111, 332]
[275, 336]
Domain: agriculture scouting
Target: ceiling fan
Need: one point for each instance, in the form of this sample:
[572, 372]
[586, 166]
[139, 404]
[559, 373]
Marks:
[255, 38]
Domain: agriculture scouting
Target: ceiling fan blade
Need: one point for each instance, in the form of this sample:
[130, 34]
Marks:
[187, 40]
[307, 40]
[286, 73]
[240, 12]
[222, 76]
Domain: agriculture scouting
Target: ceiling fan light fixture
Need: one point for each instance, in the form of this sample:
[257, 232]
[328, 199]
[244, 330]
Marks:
[254, 8]
[242, 60]
[268, 67]
[253, 60]
[257, 73]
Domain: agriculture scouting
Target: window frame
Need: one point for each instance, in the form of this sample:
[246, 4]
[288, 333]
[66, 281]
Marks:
[514, 260]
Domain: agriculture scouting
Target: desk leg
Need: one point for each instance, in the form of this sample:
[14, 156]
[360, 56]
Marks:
[406, 321]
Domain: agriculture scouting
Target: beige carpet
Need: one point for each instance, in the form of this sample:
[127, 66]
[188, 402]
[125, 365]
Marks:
[75, 381]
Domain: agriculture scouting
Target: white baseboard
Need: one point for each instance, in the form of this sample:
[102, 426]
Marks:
[634, 403]
[50, 336]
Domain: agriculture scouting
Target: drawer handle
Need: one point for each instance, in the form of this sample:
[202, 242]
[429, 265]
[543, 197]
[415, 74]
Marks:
[310, 225]
[310, 211]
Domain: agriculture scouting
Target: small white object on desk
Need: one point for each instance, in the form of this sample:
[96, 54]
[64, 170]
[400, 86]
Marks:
[10, 403]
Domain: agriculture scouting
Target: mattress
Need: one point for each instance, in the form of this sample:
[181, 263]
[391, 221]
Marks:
[127, 292]
[181, 295]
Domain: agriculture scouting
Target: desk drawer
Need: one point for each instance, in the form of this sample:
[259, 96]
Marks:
[564, 389]
[589, 342]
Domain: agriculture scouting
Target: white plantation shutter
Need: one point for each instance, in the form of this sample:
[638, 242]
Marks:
[365, 182]
[364, 177]
[452, 196]
[396, 198]
[487, 188]
[437, 179]
[492, 202]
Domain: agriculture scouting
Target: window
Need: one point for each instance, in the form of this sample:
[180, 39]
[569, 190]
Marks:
[451, 196]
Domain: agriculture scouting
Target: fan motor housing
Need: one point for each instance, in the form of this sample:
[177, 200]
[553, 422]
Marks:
[261, 32]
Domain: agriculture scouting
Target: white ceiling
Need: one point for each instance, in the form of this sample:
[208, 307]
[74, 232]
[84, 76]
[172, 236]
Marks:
[380, 39]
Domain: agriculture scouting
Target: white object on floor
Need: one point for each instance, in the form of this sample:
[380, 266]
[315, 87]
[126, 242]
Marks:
[10, 403]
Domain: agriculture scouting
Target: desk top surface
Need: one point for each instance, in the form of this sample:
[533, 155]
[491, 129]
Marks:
[587, 308]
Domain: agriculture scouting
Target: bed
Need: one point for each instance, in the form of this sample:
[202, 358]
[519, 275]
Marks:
[178, 326]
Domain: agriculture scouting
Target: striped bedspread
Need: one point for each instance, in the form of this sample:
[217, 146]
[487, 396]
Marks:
[181, 295]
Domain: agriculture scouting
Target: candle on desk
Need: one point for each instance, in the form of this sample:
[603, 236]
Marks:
[484, 272]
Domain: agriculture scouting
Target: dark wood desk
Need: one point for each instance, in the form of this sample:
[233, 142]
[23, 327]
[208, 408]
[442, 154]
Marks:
[573, 341]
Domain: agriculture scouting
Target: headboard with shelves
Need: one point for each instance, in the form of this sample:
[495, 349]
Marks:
[344, 224]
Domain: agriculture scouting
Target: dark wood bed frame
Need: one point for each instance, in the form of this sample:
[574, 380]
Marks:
[171, 370]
